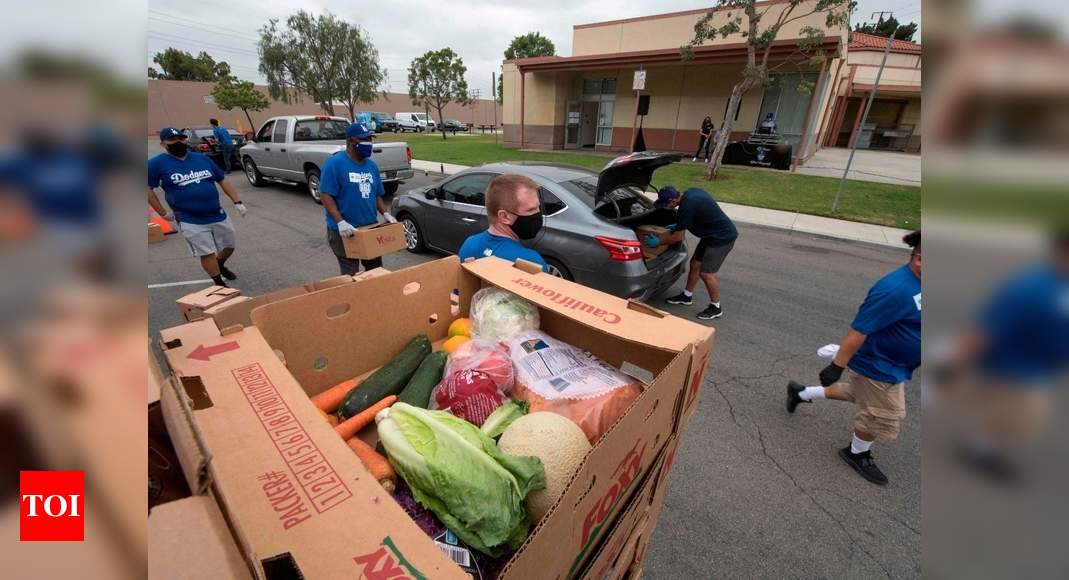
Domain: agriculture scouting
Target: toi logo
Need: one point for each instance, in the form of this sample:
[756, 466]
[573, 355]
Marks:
[51, 506]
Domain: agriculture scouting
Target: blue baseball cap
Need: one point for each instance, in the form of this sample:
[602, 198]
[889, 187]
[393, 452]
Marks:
[357, 130]
[170, 133]
[665, 195]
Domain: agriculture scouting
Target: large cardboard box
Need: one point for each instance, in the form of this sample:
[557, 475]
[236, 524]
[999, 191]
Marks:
[645, 230]
[188, 539]
[193, 305]
[375, 240]
[261, 440]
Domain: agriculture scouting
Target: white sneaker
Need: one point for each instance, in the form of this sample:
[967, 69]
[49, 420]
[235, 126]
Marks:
[695, 160]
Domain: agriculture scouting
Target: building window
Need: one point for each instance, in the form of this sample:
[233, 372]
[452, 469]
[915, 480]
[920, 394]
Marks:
[599, 87]
[787, 100]
[605, 122]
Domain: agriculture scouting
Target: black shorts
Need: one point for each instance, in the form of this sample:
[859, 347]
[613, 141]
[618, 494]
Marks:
[711, 256]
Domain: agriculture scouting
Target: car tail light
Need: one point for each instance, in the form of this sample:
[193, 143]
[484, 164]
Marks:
[203, 147]
[621, 250]
[408, 151]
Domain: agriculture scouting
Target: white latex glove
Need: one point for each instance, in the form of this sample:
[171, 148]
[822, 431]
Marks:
[346, 229]
[169, 217]
[241, 208]
[389, 218]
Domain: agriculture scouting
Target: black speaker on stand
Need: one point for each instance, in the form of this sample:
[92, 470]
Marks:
[643, 110]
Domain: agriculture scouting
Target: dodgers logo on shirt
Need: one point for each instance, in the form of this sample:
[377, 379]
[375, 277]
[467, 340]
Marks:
[184, 179]
[364, 180]
[917, 299]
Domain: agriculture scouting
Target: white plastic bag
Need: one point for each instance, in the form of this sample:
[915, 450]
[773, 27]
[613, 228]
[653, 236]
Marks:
[497, 315]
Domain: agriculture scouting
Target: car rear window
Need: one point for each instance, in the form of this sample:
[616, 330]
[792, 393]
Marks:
[320, 130]
[621, 202]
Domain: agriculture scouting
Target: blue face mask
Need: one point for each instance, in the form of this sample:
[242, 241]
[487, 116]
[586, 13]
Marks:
[364, 149]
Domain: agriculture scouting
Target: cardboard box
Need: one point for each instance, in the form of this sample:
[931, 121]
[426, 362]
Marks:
[264, 439]
[239, 309]
[155, 233]
[643, 231]
[375, 240]
[188, 539]
[192, 306]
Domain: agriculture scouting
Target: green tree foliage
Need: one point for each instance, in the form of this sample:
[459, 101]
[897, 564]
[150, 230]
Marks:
[437, 79]
[231, 93]
[179, 65]
[746, 18]
[526, 46]
[886, 28]
[324, 57]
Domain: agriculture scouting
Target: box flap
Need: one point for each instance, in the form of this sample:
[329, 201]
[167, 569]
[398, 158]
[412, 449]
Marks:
[188, 538]
[632, 321]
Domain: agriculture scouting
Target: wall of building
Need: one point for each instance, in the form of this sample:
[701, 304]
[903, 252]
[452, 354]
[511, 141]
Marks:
[183, 104]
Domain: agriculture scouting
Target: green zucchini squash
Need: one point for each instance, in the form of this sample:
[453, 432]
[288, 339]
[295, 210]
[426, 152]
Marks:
[388, 380]
[418, 390]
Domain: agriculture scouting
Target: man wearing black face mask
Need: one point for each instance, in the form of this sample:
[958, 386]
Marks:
[188, 180]
[352, 192]
[514, 212]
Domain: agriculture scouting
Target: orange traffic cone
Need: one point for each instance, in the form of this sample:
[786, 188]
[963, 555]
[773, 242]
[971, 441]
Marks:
[165, 226]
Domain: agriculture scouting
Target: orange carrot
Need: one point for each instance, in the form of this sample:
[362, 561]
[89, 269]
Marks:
[332, 419]
[330, 399]
[375, 463]
[354, 424]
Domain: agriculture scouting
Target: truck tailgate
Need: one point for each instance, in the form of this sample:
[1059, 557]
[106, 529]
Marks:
[391, 157]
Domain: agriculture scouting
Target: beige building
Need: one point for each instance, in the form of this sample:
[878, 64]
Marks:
[587, 101]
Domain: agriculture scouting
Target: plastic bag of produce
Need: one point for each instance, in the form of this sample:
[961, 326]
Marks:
[557, 377]
[498, 314]
[488, 357]
[477, 378]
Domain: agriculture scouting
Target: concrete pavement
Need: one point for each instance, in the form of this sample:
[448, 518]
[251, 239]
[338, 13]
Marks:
[880, 166]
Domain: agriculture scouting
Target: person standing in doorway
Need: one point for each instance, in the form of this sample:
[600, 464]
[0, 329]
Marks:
[352, 192]
[881, 349]
[705, 139]
[698, 212]
[188, 180]
[225, 143]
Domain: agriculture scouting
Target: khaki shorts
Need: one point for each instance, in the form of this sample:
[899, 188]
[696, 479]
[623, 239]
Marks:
[1014, 413]
[880, 406]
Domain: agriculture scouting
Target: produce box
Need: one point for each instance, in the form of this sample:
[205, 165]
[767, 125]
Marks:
[192, 306]
[643, 231]
[300, 500]
[375, 240]
[239, 309]
[155, 233]
[188, 539]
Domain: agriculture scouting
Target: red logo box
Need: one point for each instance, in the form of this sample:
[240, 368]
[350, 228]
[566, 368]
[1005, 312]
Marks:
[51, 506]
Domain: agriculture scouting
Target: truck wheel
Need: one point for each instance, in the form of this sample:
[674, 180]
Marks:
[391, 187]
[253, 173]
[312, 178]
[413, 236]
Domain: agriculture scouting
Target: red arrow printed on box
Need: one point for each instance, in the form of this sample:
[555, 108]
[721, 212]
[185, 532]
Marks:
[205, 353]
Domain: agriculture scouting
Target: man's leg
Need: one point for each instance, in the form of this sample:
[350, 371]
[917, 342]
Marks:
[686, 297]
[371, 264]
[347, 266]
[713, 286]
[210, 264]
[227, 153]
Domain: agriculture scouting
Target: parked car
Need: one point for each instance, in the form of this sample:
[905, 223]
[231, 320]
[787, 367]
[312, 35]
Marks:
[590, 220]
[293, 148]
[407, 124]
[425, 122]
[454, 125]
[202, 139]
[384, 123]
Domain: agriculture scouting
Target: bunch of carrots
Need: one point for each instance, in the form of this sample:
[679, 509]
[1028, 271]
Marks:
[328, 402]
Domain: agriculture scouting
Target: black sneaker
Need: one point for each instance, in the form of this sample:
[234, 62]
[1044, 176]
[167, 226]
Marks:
[227, 273]
[994, 467]
[218, 281]
[711, 312]
[794, 391]
[863, 465]
[681, 298]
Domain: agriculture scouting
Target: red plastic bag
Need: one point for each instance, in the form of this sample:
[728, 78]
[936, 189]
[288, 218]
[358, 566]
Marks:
[469, 394]
[487, 357]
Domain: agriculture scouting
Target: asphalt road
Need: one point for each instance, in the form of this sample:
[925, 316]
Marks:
[755, 492]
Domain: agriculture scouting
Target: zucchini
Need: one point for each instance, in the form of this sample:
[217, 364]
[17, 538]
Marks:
[388, 380]
[418, 390]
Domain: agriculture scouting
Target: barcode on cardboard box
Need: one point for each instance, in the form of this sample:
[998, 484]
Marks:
[459, 556]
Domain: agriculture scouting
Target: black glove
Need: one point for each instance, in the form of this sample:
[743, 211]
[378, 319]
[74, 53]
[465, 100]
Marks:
[831, 374]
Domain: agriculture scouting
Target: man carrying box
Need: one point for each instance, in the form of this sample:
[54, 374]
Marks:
[352, 192]
[188, 180]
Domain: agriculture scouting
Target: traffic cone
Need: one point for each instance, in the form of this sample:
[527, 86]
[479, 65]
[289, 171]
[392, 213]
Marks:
[165, 226]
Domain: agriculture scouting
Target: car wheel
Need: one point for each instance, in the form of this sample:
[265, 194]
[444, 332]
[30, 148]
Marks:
[555, 268]
[253, 173]
[413, 235]
[312, 177]
[391, 187]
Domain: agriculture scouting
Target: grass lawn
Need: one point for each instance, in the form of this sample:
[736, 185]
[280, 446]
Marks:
[862, 201]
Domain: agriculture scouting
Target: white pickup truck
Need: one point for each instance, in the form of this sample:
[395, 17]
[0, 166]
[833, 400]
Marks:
[293, 149]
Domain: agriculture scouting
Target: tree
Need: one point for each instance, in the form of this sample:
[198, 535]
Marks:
[323, 57]
[230, 93]
[886, 28]
[437, 79]
[528, 45]
[759, 42]
[179, 65]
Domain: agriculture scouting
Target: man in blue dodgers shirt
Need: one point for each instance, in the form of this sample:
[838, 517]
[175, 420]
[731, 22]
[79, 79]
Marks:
[225, 142]
[188, 180]
[881, 349]
[351, 190]
[513, 211]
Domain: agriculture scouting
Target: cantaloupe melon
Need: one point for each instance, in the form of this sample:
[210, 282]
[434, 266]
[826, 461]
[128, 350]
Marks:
[558, 442]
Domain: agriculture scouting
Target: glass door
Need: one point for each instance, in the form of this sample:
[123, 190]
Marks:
[571, 125]
[605, 122]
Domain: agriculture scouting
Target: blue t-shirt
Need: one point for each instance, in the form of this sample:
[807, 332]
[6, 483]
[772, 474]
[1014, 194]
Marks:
[354, 186]
[486, 244]
[891, 319]
[699, 213]
[60, 186]
[1027, 327]
[189, 186]
[223, 136]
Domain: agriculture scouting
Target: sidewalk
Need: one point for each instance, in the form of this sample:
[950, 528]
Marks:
[786, 220]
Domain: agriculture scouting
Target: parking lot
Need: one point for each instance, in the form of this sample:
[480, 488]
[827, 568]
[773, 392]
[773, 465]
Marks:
[755, 492]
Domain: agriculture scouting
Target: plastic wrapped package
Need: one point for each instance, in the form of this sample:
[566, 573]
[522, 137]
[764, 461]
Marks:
[557, 377]
[497, 314]
[476, 381]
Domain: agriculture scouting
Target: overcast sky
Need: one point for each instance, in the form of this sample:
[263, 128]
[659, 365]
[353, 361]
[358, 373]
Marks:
[479, 31]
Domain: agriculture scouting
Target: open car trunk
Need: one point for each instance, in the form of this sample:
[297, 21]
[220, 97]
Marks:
[618, 198]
